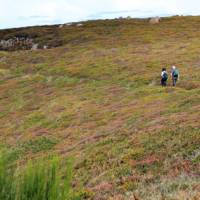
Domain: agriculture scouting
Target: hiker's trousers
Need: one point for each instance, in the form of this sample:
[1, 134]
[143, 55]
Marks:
[174, 80]
[163, 82]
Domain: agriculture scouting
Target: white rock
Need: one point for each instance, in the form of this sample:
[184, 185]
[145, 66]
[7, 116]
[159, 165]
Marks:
[155, 20]
[78, 25]
[68, 24]
[34, 47]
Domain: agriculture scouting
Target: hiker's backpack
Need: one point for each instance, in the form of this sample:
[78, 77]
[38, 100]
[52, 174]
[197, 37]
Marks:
[175, 73]
[165, 76]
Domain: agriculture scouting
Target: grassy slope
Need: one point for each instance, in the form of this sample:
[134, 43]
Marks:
[97, 99]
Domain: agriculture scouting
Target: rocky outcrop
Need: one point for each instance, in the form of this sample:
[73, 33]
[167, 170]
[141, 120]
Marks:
[17, 43]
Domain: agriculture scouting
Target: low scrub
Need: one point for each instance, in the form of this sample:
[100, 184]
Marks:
[37, 180]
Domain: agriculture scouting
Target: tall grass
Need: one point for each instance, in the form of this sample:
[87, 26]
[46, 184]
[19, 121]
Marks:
[37, 180]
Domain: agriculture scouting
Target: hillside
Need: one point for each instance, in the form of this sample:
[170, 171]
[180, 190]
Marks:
[94, 96]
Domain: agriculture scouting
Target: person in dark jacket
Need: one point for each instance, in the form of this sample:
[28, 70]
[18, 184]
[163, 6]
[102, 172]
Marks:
[164, 77]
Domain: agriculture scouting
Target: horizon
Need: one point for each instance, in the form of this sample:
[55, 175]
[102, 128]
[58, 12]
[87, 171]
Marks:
[97, 19]
[52, 12]
[86, 20]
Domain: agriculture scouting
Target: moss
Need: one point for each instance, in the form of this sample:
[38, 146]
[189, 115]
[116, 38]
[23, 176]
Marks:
[38, 145]
[36, 120]
[65, 81]
[62, 122]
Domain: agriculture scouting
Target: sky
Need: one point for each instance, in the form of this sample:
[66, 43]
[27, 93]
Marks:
[18, 13]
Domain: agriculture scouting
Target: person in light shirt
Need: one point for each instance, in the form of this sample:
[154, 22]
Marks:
[175, 75]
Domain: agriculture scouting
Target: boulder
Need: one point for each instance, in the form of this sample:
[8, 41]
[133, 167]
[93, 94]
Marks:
[154, 20]
[2, 59]
[45, 47]
[34, 47]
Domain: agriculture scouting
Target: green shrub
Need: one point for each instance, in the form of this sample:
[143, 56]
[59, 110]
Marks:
[37, 180]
